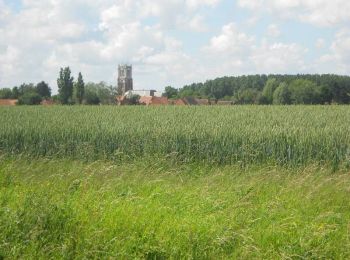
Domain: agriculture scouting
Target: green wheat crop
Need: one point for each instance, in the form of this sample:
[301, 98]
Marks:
[290, 135]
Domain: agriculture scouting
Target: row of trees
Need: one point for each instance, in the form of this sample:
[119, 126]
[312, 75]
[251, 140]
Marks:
[69, 91]
[27, 94]
[77, 92]
[269, 89]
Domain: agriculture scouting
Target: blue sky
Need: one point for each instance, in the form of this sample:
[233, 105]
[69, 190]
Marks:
[173, 42]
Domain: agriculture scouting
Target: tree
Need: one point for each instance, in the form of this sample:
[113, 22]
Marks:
[267, 93]
[6, 93]
[247, 96]
[30, 98]
[15, 93]
[65, 86]
[79, 89]
[133, 100]
[170, 92]
[281, 96]
[304, 91]
[91, 98]
[105, 93]
[43, 89]
[26, 88]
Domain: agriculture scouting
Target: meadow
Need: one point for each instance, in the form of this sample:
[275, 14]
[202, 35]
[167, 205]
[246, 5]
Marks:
[64, 209]
[246, 182]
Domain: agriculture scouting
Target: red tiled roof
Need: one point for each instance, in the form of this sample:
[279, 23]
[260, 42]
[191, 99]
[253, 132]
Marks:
[180, 102]
[8, 102]
[47, 102]
[153, 101]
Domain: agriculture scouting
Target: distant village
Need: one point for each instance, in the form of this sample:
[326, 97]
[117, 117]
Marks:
[261, 89]
[130, 96]
[152, 97]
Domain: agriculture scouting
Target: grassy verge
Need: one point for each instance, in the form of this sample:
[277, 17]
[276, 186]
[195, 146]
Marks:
[155, 210]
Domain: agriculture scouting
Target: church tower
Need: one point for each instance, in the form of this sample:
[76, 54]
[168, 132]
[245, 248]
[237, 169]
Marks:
[125, 82]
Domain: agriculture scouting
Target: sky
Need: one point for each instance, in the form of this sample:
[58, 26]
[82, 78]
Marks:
[172, 42]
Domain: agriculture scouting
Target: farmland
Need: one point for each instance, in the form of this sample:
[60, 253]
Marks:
[288, 136]
[175, 182]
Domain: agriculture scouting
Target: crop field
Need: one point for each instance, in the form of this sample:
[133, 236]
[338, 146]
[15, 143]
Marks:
[240, 182]
[290, 135]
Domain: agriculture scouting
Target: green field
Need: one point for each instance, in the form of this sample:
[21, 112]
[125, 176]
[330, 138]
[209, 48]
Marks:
[241, 182]
[289, 136]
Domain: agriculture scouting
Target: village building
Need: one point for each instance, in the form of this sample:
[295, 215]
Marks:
[153, 101]
[8, 102]
[144, 93]
[192, 101]
[125, 84]
[125, 81]
[47, 102]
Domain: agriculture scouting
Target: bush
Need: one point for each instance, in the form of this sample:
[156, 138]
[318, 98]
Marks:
[30, 98]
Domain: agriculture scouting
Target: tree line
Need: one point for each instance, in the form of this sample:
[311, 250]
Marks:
[270, 89]
[69, 91]
[252, 89]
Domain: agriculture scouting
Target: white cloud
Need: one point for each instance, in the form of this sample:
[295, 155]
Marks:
[317, 12]
[279, 58]
[197, 23]
[320, 43]
[235, 52]
[229, 41]
[48, 34]
[273, 31]
[157, 37]
[338, 58]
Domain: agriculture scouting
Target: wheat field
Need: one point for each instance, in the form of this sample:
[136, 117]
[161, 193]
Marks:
[285, 135]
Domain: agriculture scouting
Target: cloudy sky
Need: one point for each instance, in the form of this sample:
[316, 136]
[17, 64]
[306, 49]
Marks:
[172, 42]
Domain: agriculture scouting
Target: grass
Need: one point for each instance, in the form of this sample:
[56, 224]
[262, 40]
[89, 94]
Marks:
[288, 136]
[241, 182]
[61, 208]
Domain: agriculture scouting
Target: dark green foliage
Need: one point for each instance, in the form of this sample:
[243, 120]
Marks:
[281, 96]
[170, 92]
[6, 93]
[329, 88]
[15, 93]
[30, 98]
[65, 86]
[79, 89]
[43, 90]
[304, 92]
[270, 87]
[26, 88]
[91, 98]
[133, 100]
[247, 96]
[106, 94]
[27, 93]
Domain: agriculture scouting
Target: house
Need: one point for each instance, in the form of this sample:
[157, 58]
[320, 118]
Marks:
[8, 102]
[179, 102]
[191, 101]
[47, 102]
[203, 102]
[144, 93]
[153, 101]
[122, 100]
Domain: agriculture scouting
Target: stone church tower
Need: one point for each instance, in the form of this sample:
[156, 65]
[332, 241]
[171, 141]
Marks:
[125, 82]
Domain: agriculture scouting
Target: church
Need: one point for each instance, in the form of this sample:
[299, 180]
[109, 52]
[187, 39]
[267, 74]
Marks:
[125, 85]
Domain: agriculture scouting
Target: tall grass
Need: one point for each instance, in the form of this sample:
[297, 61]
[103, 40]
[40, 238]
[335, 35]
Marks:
[291, 135]
[63, 209]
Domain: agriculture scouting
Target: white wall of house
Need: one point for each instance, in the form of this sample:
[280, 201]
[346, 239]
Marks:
[144, 93]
